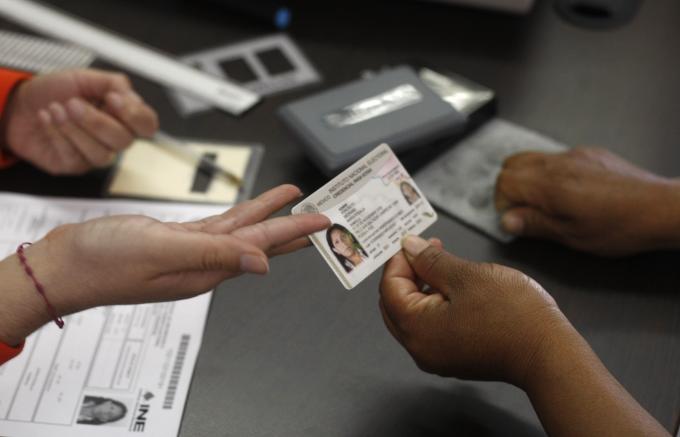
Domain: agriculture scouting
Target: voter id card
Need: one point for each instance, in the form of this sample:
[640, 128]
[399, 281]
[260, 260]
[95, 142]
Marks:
[372, 205]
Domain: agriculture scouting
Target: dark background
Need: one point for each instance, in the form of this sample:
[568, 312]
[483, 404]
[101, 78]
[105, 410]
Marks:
[293, 353]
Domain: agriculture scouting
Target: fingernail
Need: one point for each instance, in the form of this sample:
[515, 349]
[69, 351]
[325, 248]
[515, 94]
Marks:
[512, 224]
[44, 117]
[254, 264]
[116, 100]
[76, 108]
[58, 112]
[414, 245]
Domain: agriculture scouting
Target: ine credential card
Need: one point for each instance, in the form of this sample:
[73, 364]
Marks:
[372, 206]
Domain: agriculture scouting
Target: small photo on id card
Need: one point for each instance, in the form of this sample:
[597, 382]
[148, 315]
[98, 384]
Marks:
[372, 205]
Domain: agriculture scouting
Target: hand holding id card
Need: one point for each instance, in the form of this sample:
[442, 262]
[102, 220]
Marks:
[372, 205]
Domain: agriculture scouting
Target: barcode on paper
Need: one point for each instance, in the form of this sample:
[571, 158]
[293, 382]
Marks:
[176, 372]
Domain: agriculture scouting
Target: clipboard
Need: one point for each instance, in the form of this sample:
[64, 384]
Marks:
[149, 171]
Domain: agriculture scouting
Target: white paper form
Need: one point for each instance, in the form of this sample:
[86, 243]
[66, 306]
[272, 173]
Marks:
[130, 363]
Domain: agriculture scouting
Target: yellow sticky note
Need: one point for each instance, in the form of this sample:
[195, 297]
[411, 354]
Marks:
[151, 171]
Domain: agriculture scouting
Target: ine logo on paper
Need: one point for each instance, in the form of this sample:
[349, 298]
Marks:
[140, 418]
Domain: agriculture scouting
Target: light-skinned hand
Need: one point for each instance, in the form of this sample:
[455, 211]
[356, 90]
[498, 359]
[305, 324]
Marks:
[136, 259]
[72, 121]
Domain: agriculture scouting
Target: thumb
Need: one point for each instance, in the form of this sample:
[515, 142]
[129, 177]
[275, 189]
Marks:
[530, 222]
[436, 267]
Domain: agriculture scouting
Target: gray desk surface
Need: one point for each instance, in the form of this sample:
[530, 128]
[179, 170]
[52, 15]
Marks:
[293, 354]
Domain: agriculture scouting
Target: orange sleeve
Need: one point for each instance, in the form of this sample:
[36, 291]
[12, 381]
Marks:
[6, 159]
[8, 80]
[9, 352]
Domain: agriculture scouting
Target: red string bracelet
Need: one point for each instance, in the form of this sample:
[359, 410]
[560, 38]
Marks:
[38, 286]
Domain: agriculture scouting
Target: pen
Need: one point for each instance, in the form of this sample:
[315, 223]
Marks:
[130, 55]
[164, 140]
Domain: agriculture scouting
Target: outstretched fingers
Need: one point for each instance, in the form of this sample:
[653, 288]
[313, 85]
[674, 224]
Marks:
[249, 212]
[282, 232]
[292, 246]
[195, 251]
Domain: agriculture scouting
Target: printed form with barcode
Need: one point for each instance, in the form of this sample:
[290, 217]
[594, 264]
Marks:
[112, 371]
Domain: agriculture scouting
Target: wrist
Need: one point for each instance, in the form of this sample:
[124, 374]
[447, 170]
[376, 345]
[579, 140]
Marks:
[554, 355]
[561, 360]
[662, 228]
[22, 311]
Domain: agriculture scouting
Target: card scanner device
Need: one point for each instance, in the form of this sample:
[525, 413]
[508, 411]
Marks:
[399, 106]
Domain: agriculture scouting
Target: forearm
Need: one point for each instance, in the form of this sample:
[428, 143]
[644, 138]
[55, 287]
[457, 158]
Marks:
[574, 394]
